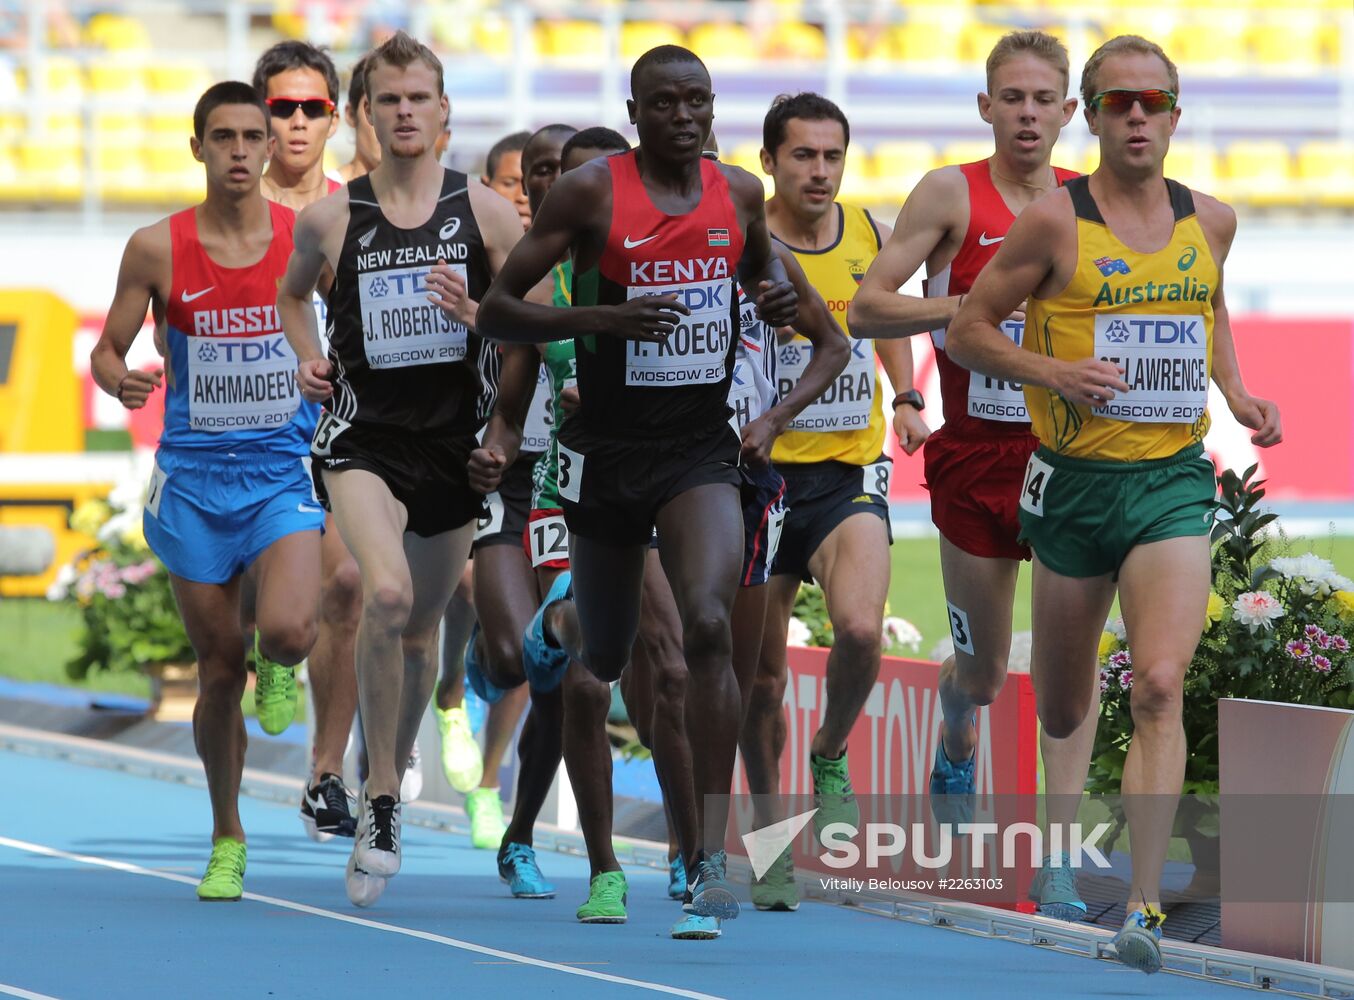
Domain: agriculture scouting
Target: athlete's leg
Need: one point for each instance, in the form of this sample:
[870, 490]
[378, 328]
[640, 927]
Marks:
[1163, 592]
[457, 624]
[748, 625]
[505, 599]
[763, 734]
[607, 582]
[539, 751]
[333, 678]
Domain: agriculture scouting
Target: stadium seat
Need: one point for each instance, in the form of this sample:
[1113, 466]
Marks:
[573, 42]
[493, 36]
[119, 77]
[977, 39]
[1260, 173]
[898, 166]
[176, 79]
[172, 172]
[120, 175]
[124, 128]
[966, 152]
[1325, 169]
[723, 42]
[1216, 44]
[50, 171]
[857, 177]
[930, 37]
[794, 41]
[1194, 165]
[116, 33]
[638, 37]
[748, 155]
[61, 77]
[9, 174]
[1290, 43]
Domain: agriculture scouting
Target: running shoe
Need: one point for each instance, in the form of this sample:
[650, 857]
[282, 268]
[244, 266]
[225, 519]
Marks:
[485, 810]
[474, 673]
[377, 847]
[951, 788]
[411, 784]
[462, 762]
[710, 895]
[1055, 890]
[274, 692]
[776, 890]
[832, 794]
[543, 662]
[364, 888]
[1138, 943]
[223, 881]
[325, 812]
[693, 927]
[517, 867]
[676, 878]
[607, 893]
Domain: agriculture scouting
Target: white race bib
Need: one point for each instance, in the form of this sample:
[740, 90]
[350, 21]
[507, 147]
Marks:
[743, 396]
[321, 308]
[695, 352]
[401, 328]
[492, 522]
[1165, 362]
[1038, 474]
[569, 474]
[848, 402]
[997, 399]
[875, 478]
[156, 491]
[536, 430]
[241, 383]
[549, 540]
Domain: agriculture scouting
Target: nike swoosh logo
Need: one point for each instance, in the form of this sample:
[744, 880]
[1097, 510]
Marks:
[631, 244]
[196, 295]
[985, 241]
[449, 230]
[307, 509]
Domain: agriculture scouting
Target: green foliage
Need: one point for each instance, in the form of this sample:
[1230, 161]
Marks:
[811, 609]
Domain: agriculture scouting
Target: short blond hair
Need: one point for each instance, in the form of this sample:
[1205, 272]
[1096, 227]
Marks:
[401, 50]
[1036, 43]
[1117, 46]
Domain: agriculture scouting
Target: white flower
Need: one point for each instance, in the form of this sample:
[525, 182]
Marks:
[798, 633]
[901, 632]
[1315, 577]
[1115, 627]
[61, 586]
[117, 525]
[1257, 609]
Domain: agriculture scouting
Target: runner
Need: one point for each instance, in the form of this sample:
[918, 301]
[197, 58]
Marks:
[1118, 495]
[503, 172]
[836, 475]
[366, 150]
[301, 86]
[407, 382]
[652, 424]
[954, 222]
[229, 492]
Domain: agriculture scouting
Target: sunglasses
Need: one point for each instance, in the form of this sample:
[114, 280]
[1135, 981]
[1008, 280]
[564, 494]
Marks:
[1118, 102]
[311, 107]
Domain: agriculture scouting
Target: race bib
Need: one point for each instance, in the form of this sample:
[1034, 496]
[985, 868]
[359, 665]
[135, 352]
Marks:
[491, 523]
[549, 540]
[327, 429]
[847, 403]
[1165, 362]
[876, 478]
[774, 522]
[1038, 474]
[997, 399]
[536, 430]
[400, 327]
[321, 308]
[743, 396]
[695, 352]
[156, 491]
[569, 475]
[241, 383]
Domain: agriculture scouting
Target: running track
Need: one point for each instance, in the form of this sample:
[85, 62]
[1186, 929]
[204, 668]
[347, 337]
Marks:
[97, 870]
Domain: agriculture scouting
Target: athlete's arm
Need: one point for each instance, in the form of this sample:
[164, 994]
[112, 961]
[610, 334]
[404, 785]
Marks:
[1259, 415]
[1027, 257]
[566, 216]
[760, 270]
[896, 357]
[503, 433]
[500, 227]
[144, 263]
[305, 268]
[830, 354]
[926, 221]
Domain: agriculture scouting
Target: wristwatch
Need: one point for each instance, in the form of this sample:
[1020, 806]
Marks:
[912, 398]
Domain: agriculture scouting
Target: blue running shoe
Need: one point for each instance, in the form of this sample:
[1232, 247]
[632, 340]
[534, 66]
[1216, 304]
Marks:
[1138, 943]
[952, 788]
[517, 867]
[543, 663]
[1055, 890]
[474, 674]
[692, 927]
[710, 895]
[676, 879]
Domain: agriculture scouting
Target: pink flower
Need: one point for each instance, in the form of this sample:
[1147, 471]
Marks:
[1104, 680]
[139, 573]
[1257, 609]
[114, 591]
[1298, 649]
[1323, 640]
[1126, 680]
[1121, 659]
[1320, 664]
[1313, 632]
[1340, 643]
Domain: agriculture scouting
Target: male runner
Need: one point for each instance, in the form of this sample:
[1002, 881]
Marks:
[954, 221]
[406, 384]
[293, 77]
[836, 474]
[366, 150]
[657, 236]
[229, 492]
[503, 172]
[1122, 273]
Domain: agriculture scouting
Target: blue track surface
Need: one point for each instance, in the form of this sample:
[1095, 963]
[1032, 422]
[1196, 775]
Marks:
[76, 929]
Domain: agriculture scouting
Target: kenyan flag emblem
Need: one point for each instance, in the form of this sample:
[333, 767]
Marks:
[718, 237]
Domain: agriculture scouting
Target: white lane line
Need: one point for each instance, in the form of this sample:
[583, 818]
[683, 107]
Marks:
[315, 911]
[14, 991]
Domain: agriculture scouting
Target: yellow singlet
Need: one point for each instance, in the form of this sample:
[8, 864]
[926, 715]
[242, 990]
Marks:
[846, 423]
[1150, 313]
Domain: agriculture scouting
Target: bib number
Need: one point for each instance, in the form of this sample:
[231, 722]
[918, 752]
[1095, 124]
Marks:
[549, 540]
[492, 522]
[1037, 476]
[999, 399]
[156, 491]
[326, 430]
[876, 479]
[959, 629]
[570, 476]
[774, 523]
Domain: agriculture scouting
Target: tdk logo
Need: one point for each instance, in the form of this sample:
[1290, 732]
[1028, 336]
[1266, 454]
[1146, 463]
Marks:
[1111, 265]
[699, 298]
[378, 288]
[1153, 330]
[206, 352]
[1117, 332]
[790, 355]
[249, 352]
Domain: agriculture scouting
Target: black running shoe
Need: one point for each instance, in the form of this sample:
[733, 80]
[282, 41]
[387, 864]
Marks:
[325, 810]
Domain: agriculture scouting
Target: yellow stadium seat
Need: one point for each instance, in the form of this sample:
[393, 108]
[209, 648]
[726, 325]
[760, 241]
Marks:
[898, 166]
[573, 41]
[638, 37]
[1216, 44]
[118, 127]
[931, 36]
[186, 80]
[748, 155]
[1260, 173]
[723, 42]
[867, 43]
[62, 128]
[795, 41]
[1326, 173]
[1090, 157]
[10, 178]
[1290, 43]
[977, 40]
[1193, 164]
[967, 151]
[116, 77]
[120, 174]
[167, 126]
[173, 173]
[493, 36]
[857, 185]
[51, 171]
[13, 126]
[61, 76]
[116, 33]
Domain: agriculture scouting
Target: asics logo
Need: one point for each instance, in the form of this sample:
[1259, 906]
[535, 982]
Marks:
[365, 239]
[449, 229]
[196, 295]
[986, 241]
[631, 244]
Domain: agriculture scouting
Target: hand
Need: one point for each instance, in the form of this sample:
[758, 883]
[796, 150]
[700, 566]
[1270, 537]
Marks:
[650, 318]
[136, 386]
[777, 303]
[1261, 416]
[568, 399]
[446, 289]
[758, 437]
[1089, 382]
[1018, 316]
[486, 467]
[910, 427]
[315, 380]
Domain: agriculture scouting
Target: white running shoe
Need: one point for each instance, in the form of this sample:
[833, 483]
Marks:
[411, 785]
[363, 889]
[377, 845]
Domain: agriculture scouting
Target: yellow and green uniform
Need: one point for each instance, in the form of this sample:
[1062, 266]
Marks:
[561, 368]
[1129, 471]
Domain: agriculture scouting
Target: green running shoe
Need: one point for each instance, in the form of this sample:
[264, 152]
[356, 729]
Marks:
[607, 893]
[462, 762]
[1055, 890]
[224, 879]
[274, 692]
[485, 810]
[1138, 943]
[777, 890]
[832, 794]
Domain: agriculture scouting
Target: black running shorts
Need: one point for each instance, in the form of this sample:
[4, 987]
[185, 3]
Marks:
[821, 495]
